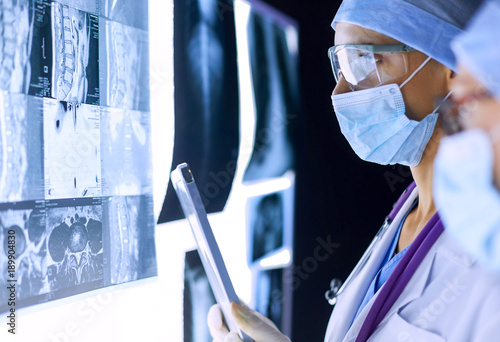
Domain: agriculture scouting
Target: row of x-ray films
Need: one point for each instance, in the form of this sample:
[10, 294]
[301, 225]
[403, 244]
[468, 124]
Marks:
[75, 154]
[63, 247]
[54, 50]
[53, 149]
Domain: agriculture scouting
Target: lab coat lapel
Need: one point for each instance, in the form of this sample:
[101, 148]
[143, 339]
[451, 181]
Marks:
[412, 291]
[350, 299]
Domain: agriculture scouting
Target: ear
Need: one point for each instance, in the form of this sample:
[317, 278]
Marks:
[450, 77]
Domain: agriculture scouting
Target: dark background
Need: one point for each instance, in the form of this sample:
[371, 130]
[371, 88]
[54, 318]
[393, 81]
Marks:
[337, 194]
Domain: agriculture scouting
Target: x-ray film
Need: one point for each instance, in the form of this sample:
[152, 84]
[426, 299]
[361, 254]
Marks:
[206, 101]
[16, 30]
[26, 222]
[267, 224]
[129, 12]
[75, 253]
[72, 150]
[21, 148]
[198, 298]
[129, 223]
[75, 178]
[124, 66]
[58, 250]
[270, 227]
[65, 54]
[125, 142]
[274, 64]
[269, 294]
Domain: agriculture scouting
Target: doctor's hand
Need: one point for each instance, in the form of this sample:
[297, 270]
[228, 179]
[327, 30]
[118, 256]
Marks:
[255, 325]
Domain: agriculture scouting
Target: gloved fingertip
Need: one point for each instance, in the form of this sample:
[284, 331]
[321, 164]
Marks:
[214, 317]
[232, 337]
[239, 313]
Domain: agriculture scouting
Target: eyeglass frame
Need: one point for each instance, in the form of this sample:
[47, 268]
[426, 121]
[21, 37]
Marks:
[381, 48]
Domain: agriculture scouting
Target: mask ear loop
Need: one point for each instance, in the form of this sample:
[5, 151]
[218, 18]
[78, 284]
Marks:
[441, 103]
[415, 72]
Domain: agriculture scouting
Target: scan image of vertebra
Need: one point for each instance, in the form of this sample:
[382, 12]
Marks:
[124, 67]
[16, 29]
[131, 230]
[21, 151]
[71, 37]
[75, 247]
[28, 228]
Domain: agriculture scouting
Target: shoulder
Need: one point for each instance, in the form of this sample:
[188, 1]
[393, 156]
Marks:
[455, 297]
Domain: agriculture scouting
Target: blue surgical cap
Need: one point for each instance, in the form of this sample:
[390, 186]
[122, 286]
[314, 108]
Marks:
[478, 50]
[426, 25]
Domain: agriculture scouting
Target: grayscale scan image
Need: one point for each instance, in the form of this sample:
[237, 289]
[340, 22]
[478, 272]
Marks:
[75, 177]
[266, 224]
[16, 28]
[75, 247]
[25, 221]
[130, 223]
[72, 150]
[64, 53]
[274, 67]
[75, 35]
[129, 12]
[124, 66]
[125, 143]
[21, 150]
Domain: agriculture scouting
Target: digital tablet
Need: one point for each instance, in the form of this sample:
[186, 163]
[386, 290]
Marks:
[189, 197]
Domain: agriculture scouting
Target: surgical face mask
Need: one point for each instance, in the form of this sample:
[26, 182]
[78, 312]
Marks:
[465, 195]
[375, 125]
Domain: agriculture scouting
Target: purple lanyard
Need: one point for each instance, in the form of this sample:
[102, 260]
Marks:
[403, 272]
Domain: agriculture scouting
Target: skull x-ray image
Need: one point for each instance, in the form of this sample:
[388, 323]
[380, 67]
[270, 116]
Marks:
[198, 298]
[16, 29]
[26, 222]
[72, 149]
[124, 66]
[125, 142]
[21, 151]
[206, 102]
[129, 223]
[274, 66]
[129, 12]
[65, 53]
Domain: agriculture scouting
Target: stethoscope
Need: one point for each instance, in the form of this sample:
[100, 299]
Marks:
[336, 285]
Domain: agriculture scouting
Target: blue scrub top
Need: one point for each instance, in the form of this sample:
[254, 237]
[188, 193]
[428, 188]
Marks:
[388, 265]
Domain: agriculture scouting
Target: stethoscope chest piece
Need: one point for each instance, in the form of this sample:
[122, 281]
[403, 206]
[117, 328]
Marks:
[333, 292]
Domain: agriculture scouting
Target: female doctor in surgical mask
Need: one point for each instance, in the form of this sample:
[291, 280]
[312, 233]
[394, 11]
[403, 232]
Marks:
[391, 59]
[467, 176]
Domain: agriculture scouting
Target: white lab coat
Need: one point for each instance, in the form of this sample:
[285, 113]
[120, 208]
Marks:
[449, 298]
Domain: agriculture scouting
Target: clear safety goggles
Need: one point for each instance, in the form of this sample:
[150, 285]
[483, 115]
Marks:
[368, 66]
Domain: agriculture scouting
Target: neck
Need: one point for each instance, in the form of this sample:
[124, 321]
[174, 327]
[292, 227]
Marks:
[422, 174]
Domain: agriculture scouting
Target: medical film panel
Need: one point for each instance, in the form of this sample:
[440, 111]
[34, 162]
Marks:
[206, 102]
